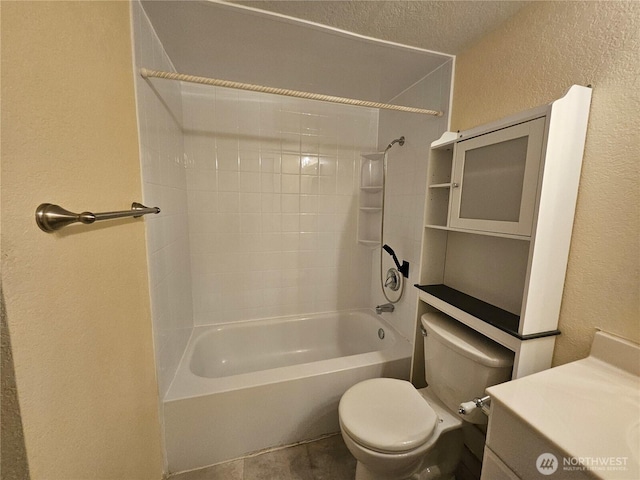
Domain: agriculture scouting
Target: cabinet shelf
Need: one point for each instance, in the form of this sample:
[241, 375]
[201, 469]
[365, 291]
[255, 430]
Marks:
[437, 227]
[480, 232]
[494, 316]
[369, 243]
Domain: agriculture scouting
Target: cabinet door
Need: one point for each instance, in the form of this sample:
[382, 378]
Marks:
[495, 179]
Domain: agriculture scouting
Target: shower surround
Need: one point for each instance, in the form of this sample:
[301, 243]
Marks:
[259, 207]
[259, 203]
[164, 182]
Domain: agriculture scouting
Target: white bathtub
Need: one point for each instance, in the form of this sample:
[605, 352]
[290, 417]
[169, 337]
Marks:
[248, 386]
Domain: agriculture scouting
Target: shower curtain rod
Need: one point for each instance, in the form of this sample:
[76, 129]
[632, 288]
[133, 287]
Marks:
[147, 73]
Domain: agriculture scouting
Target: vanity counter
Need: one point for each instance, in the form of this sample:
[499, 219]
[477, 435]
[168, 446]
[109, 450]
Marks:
[585, 416]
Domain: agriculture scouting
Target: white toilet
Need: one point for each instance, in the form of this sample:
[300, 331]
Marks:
[396, 432]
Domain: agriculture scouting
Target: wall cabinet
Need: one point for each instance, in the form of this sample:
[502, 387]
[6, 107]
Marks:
[495, 179]
[498, 218]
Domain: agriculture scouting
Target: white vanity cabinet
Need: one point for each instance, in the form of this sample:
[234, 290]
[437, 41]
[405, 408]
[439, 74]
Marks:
[499, 213]
[553, 423]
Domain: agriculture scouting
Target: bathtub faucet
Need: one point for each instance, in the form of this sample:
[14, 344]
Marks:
[387, 307]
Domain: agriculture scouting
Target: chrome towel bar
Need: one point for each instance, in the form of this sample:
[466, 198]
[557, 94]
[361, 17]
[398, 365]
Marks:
[51, 217]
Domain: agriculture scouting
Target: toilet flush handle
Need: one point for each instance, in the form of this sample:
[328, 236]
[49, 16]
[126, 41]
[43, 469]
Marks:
[467, 407]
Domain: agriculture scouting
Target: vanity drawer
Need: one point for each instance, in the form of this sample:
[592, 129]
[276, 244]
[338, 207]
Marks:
[494, 469]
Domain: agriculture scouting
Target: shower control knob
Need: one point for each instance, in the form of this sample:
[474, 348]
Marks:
[393, 280]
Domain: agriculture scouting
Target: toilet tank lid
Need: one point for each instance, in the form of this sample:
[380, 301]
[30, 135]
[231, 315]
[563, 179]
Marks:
[466, 341]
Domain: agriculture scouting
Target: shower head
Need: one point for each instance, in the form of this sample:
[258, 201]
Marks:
[397, 140]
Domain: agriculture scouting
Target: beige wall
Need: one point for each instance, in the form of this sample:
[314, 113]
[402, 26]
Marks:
[77, 301]
[532, 60]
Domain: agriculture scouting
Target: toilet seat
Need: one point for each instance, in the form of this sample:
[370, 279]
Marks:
[387, 415]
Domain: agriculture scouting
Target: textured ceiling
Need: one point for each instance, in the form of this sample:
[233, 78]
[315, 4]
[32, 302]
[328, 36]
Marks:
[270, 46]
[443, 26]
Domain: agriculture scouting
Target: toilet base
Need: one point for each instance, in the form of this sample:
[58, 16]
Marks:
[439, 463]
[435, 460]
[363, 473]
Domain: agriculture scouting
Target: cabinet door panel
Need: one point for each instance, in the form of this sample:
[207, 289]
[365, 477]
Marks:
[493, 177]
[497, 176]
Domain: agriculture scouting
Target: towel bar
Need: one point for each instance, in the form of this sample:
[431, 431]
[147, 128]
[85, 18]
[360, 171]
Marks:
[51, 217]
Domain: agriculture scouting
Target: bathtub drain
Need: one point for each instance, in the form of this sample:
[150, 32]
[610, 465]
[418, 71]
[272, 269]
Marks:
[380, 333]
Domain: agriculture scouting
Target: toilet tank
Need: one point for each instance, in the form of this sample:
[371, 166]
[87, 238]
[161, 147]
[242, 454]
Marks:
[460, 362]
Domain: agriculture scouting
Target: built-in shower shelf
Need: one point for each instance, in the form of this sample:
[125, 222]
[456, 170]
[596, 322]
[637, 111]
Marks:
[370, 199]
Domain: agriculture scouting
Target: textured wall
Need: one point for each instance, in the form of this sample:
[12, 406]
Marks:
[77, 301]
[13, 455]
[532, 60]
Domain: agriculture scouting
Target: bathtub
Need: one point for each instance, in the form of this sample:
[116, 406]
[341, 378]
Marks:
[244, 387]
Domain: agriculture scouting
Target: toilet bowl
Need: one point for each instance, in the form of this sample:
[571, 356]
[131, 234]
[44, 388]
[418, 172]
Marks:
[397, 432]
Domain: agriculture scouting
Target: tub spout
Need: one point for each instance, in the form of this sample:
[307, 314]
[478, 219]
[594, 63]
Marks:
[387, 307]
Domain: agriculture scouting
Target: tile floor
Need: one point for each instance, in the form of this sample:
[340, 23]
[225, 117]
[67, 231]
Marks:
[324, 459]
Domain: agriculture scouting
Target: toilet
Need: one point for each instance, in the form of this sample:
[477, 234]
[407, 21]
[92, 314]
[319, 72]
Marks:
[397, 432]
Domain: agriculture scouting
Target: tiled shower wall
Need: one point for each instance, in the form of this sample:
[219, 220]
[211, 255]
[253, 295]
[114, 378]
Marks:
[406, 185]
[165, 186]
[272, 201]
